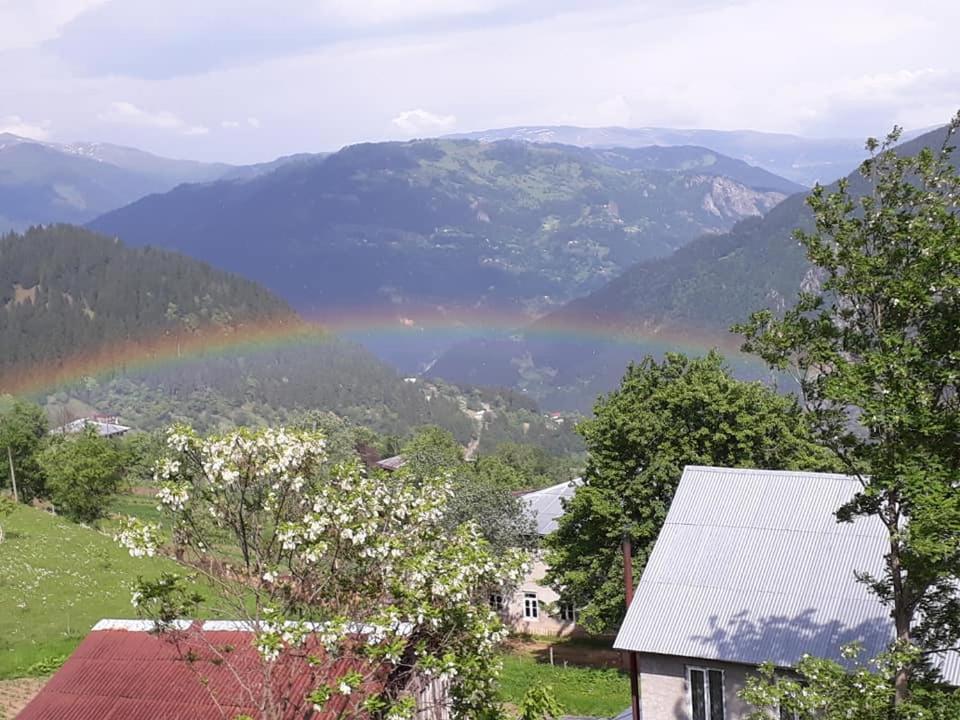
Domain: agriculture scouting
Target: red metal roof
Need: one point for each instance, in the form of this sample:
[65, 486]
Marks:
[191, 675]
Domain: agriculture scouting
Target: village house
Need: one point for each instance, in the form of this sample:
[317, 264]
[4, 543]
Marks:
[535, 608]
[104, 426]
[752, 566]
[123, 670]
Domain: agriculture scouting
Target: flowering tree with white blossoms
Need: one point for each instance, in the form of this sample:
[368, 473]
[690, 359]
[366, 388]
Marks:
[348, 578]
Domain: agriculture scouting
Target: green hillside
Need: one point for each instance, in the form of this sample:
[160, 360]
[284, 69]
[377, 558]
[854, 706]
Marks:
[57, 579]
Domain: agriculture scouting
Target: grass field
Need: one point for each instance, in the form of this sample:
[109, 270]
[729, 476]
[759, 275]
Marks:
[56, 580]
[579, 690]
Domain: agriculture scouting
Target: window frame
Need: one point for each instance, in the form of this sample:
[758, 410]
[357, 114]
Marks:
[706, 670]
[531, 603]
[568, 612]
[497, 602]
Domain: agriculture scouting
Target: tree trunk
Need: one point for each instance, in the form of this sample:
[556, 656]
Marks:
[902, 621]
[13, 475]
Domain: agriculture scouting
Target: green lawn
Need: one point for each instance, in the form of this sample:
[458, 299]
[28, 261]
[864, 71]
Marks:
[579, 690]
[56, 580]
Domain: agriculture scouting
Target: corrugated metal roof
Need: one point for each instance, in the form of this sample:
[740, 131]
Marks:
[752, 566]
[129, 674]
[103, 429]
[547, 504]
[392, 463]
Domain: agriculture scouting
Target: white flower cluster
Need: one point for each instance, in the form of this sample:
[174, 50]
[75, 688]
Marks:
[138, 537]
[378, 548]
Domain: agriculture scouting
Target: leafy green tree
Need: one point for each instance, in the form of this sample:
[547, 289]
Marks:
[830, 690]
[22, 429]
[486, 500]
[355, 582]
[84, 473]
[141, 451]
[432, 449]
[7, 506]
[876, 351]
[663, 417]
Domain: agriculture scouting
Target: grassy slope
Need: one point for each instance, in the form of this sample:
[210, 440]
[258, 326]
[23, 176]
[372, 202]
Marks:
[56, 580]
[583, 691]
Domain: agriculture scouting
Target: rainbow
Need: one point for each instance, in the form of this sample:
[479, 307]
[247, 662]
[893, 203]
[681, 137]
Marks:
[153, 353]
[567, 328]
[168, 350]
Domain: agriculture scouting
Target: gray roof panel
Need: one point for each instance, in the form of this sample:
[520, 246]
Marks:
[547, 504]
[752, 566]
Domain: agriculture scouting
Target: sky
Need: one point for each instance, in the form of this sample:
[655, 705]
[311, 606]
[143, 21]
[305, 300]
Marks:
[249, 80]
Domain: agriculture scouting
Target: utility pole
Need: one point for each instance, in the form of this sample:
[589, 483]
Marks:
[628, 588]
[13, 475]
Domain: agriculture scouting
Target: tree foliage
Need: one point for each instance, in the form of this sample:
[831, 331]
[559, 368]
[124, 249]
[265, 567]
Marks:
[876, 351]
[84, 472]
[22, 429]
[480, 491]
[849, 690]
[664, 416]
[368, 562]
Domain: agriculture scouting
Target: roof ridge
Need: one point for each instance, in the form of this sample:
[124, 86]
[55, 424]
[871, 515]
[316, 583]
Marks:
[763, 471]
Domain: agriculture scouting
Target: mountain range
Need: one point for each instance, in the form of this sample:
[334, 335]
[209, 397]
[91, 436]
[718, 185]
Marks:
[800, 159]
[47, 182]
[688, 300]
[450, 230]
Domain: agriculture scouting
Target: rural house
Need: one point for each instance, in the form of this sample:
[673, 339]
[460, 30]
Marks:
[104, 426]
[752, 566]
[124, 671]
[534, 608]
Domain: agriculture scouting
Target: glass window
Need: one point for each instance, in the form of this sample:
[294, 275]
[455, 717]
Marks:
[706, 694]
[531, 606]
[698, 696]
[715, 681]
[496, 602]
[568, 612]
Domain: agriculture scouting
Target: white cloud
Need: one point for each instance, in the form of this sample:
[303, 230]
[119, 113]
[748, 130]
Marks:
[25, 23]
[126, 113]
[18, 126]
[420, 121]
[253, 122]
[230, 124]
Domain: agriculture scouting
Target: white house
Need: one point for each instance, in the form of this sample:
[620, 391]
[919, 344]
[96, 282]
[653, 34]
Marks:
[104, 427]
[752, 566]
[535, 608]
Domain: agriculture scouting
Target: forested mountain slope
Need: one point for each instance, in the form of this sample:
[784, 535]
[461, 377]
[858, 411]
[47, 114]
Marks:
[687, 300]
[451, 224]
[87, 323]
[66, 291]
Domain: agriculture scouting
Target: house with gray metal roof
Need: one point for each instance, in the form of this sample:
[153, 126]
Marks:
[102, 426]
[535, 607]
[751, 566]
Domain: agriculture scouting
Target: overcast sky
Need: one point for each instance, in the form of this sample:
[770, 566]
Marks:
[248, 80]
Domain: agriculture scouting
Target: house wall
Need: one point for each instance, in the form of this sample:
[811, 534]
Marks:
[664, 694]
[549, 622]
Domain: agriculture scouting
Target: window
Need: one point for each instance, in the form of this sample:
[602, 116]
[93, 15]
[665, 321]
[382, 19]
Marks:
[706, 694]
[531, 606]
[496, 602]
[569, 612]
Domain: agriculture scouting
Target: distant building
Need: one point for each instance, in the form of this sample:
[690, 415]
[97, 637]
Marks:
[124, 671]
[534, 607]
[392, 464]
[752, 566]
[105, 426]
